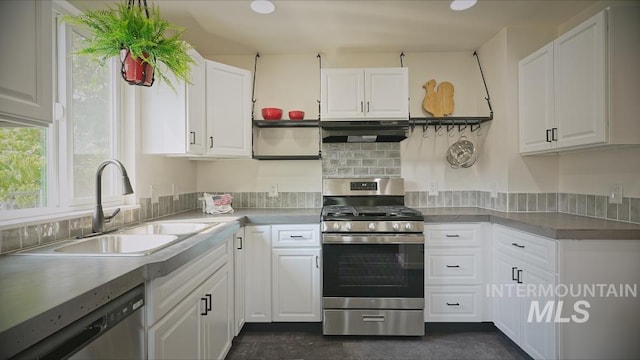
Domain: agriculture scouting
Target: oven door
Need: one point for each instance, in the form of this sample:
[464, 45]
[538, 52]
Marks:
[373, 265]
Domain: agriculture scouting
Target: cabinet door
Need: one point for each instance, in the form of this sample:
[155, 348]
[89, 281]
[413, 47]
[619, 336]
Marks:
[296, 288]
[239, 275]
[173, 120]
[538, 338]
[258, 276]
[506, 305]
[386, 93]
[26, 74]
[228, 102]
[342, 94]
[178, 334]
[218, 323]
[536, 107]
[196, 106]
[580, 84]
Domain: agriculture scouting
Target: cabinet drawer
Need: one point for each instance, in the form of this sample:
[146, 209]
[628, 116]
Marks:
[452, 235]
[295, 235]
[453, 303]
[166, 292]
[453, 266]
[532, 249]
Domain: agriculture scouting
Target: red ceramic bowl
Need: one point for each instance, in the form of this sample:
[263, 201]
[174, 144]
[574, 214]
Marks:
[296, 115]
[271, 113]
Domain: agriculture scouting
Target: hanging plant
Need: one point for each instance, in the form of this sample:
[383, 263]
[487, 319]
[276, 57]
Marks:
[142, 40]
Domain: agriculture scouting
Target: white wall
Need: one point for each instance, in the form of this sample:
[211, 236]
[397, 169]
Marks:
[292, 81]
[594, 171]
[145, 170]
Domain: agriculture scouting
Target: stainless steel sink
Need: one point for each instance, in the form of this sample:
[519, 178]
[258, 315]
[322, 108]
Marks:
[132, 245]
[168, 228]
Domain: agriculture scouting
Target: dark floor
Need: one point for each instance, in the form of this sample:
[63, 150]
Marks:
[311, 344]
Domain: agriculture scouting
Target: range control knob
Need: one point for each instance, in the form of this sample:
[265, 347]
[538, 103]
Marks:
[408, 226]
[396, 226]
[372, 226]
[336, 226]
[347, 226]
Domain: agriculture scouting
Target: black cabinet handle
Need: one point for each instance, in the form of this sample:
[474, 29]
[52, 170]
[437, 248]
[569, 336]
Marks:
[240, 238]
[207, 304]
[453, 304]
[519, 281]
[361, 106]
[453, 266]
[452, 235]
[211, 142]
[554, 134]
[317, 262]
[518, 245]
[513, 273]
[548, 135]
[193, 137]
[296, 236]
[368, 106]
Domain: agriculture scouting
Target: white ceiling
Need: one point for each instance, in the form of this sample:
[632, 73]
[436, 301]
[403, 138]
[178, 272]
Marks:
[217, 27]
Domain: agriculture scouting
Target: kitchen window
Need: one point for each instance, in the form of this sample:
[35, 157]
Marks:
[45, 170]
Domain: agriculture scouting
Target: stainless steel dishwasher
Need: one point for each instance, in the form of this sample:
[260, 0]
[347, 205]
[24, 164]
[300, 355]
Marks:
[113, 331]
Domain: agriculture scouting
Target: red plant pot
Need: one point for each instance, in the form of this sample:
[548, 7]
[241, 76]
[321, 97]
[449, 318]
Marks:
[135, 72]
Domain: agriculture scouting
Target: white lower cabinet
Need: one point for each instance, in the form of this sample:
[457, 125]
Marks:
[454, 272]
[283, 273]
[296, 288]
[258, 273]
[521, 308]
[239, 280]
[190, 312]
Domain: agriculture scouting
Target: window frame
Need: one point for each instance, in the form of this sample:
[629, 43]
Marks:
[59, 197]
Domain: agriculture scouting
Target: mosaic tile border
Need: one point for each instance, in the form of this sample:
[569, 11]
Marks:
[595, 206]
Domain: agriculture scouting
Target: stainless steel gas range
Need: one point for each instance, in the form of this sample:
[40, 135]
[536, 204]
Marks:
[373, 259]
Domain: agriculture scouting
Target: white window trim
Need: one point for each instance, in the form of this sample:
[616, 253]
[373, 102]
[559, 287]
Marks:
[57, 204]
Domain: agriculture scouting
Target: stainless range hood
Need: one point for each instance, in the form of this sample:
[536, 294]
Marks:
[364, 131]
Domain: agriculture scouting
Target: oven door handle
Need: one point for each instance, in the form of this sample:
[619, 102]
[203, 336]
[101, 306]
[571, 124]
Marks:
[372, 239]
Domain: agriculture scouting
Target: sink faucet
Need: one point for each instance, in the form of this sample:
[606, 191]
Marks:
[98, 221]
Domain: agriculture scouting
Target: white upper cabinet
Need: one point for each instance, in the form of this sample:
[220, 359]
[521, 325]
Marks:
[26, 74]
[370, 93]
[173, 122]
[536, 105]
[580, 86]
[228, 111]
[574, 92]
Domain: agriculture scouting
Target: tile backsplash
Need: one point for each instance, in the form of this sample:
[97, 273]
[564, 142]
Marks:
[595, 206]
[360, 159]
[39, 234]
[283, 200]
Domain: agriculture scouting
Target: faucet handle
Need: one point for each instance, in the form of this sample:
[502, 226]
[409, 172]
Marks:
[109, 217]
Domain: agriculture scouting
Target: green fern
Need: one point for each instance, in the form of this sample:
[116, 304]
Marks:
[129, 28]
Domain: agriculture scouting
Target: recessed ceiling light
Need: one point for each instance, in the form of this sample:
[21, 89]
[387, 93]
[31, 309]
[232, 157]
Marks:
[462, 4]
[262, 6]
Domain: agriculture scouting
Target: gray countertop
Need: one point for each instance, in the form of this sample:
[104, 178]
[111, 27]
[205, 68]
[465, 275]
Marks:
[40, 295]
[553, 225]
